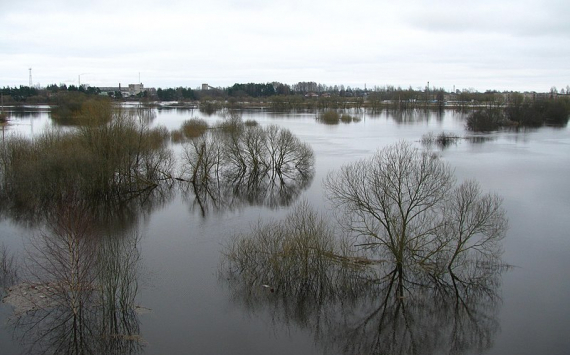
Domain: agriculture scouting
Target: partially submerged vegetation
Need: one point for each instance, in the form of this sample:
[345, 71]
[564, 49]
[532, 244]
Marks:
[75, 108]
[106, 162]
[411, 251]
[400, 218]
[192, 128]
[441, 140]
[334, 117]
[240, 162]
[300, 256]
[524, 109]
[520, 113]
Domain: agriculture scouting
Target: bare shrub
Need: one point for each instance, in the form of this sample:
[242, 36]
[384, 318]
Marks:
[299, 255]
[442, 140]
[79, 295]
[105, 162]
[194, 128]
[247, 164]
[250, 123]
[329, 117]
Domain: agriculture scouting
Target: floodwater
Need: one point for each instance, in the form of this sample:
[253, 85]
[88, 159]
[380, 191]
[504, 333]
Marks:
[190, 308]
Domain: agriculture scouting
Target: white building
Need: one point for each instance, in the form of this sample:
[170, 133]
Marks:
[135, 89]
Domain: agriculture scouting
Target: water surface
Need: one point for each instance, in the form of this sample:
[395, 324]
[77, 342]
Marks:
[193, 310]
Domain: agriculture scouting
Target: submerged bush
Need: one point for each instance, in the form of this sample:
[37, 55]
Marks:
[329, 117]
[557, 111]
[250, 123]
[299, 256]
[76, 108]
[194, 128]
[209, 106]
[333, 117]
[485, 120]
[442, 140]
[109, 162]
[537, 112]
[239, 163]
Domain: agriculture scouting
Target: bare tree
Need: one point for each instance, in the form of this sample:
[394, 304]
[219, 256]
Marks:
[240, 163]
[427, 256]
[302, 273]
[402, 204]
[390, 200]
[474, 224]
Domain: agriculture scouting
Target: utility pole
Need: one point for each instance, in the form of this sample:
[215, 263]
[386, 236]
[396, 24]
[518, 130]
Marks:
[79, 79]
[427, 94]
[30, 77]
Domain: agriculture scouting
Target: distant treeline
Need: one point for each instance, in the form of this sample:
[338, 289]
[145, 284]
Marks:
[19, 94]
[27, 94]
[519, 112]
[489, 111]
[284, 96]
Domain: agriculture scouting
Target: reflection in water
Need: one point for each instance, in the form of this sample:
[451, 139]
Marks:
[8, 270]
[245, 165]
[408, 116]
[236, 191]
[18, 112]
[442, 141]
[477, 140]
[299, 272]
[117, 216]
[81, 290]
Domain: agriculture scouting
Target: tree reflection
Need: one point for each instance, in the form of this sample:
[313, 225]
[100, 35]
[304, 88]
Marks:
[8, 269]
[441, 141]
[429, 318]
[81, 288]
[245, 165]
[303, 275]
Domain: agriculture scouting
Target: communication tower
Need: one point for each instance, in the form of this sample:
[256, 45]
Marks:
[30, 77]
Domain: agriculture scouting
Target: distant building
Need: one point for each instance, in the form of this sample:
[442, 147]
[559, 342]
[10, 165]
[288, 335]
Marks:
[131, 90]
[109, 90]
[135, 89]
[205, 86]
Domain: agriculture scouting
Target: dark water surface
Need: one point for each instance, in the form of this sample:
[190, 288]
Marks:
[193, 310]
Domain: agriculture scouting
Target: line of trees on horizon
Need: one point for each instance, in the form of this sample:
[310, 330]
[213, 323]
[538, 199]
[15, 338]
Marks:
[308, 89]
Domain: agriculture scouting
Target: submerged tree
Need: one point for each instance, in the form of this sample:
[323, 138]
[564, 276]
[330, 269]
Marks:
[301, 272]
[402, 204]
[240, 163]
[414, 268]
[485, 120]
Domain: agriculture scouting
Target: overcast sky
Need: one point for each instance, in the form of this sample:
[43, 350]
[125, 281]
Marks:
[484, 44]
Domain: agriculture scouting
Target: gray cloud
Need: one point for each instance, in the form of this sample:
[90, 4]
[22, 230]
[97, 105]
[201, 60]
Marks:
[486, 44]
